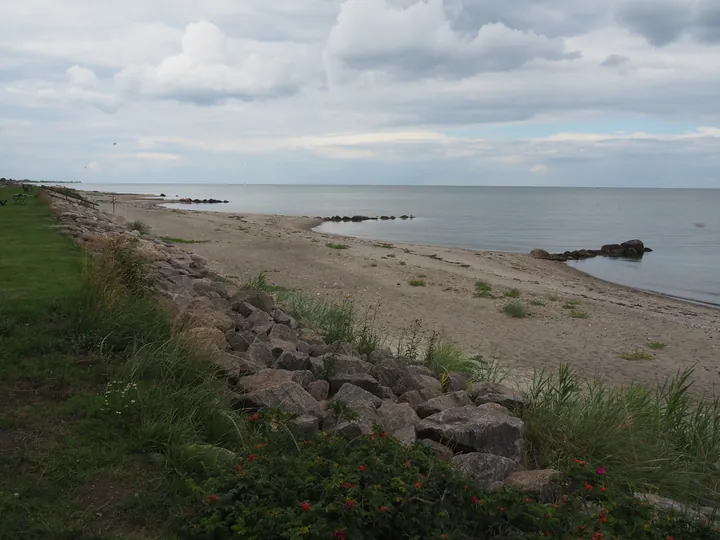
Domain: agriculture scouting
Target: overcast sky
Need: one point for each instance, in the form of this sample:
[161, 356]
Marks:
[486, 92]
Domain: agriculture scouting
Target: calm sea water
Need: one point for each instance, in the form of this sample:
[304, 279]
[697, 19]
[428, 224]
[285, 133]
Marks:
[682, 226]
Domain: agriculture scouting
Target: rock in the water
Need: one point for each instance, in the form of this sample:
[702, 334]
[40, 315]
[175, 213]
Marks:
[540, 483]
[400, 420]
[488, 428]
[484, 469]
[445, 453]
[443, 402]
[540, 254]
[486, 392]
[288, 396]
[637, 245]
[319, 390]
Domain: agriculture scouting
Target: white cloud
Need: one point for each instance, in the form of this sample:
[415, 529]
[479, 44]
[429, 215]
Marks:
[540, 169]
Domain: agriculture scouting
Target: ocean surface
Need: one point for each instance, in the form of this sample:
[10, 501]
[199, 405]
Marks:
[682, 226]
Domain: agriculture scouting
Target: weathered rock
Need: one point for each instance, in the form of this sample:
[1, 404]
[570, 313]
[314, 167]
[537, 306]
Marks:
[539, 483]
[317, 349]
[317, 366]
[259, 299]
[363, 380]
[288, 396]
[267, 378]
[399, 419]
[379, 356]
[488, 428]
[208, 340]
[224, 289]
[241, 324]
[243, 308]
[353, 395]
[392, 373]
[486, 392]
[636, 245]
[310, 337]
[201, 313]
[457, 381]
[417, 369]
[443, 402]
[319, 390]
[260, 318]
[260, 352]
[441, 450]
[417, 397]
[283, 318]
[280, 332]
[303, 347]
[696, 513]
[198, 260]
[237, 341]
[279, 347]
[387, 393]
[361, 403]
[341, 348]
[306, 426]
[263, 329]
[293, 361]
[234, 366]
[540, 254]
[484, 469]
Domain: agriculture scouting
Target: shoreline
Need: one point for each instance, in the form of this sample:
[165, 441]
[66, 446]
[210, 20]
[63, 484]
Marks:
[609, 320]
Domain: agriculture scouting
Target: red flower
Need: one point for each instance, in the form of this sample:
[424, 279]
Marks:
[564, 498]
[381, 434]
[580, 461]
[349, 503]
[418, 485]
[305, 506]
[383, 509]
[601, 471]
[474, 500]
[213, 498]
[339, 535]
[252, 457]
[422, 475]
[407, 465]
[347, 485]
[588, 487]
[502, 509]
[528, 499]
[603, 519]
[603, 489]
[238, 467]
[253, 418]
[362, 468]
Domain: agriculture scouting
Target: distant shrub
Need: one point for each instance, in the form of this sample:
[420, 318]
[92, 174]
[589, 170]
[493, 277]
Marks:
[512, 293]
[416, 283]
[515, 309]
[139, 226]
[336, 246]
[636, 356]
[483, 289]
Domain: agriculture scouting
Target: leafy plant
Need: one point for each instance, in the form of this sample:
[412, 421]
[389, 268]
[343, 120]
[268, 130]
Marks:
[636, 356]
[332, 245]
[483, 289]
[512, 293]
[416, 283]
[656, 345]
[515, 309]
[139, 226]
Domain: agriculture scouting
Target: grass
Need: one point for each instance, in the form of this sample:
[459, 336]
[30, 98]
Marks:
[416, 282]
[636, 356]
[656, 345]
[139, 226]
[261, 283]
[553, 297]
[512, 293]
[515, 309]
[70, 465]
[571, 304]
[537, 302]
[577, 314]
[483, 290]
[172, 240]
[656, 440]
[336, 246]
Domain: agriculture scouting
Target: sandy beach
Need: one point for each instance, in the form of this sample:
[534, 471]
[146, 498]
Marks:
[619, 320]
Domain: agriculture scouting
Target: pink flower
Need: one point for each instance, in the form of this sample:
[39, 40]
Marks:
[601, 471]
[213, 498]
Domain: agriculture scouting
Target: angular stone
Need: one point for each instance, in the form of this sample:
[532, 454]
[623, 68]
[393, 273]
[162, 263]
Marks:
[201, 313]
[319, 390]
[399, 419]
[457, 381]
[260, 318]
[380, 356]
[243, 308]
[484, 469]
[539, 483]
[317, 366]
[317, 349]
[283, 318]
[445, 453]
[353, 396]
[417, 397]
[306, 426]
[487, 392]
[208, 340]
[303, 347]
[342, 348]
[259, 299]
[363, 380]
[310, 337]
[347, 364]
[387, 393]
[293, 361]
[263, 329]
[442, 403]
[267, 378]
[280, 332]
[260, 352]
[395, 375]
[236, 365]
[225, 290]
[240, 323]
[288, 396]
[488, 428]
[237, 341]
[417, 369]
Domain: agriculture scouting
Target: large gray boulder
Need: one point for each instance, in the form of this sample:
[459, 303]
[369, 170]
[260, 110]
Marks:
[442, 403]
[236, 365]
[488, 428]
[319, 390]
[542, 483]
[363, 406]
[238, 342]
[354, 396]
[417, 397]
[202, 313]
[363, 380]
[345, 369]
[293, 361]
[487, 392]
[260, 352]
[208, 340]
[268, 378]
[457, 381]
[399, 419]
[392, 373]
[258, 299]
[280, 317]
[484, 469]
[289, 396]
[443, 452]
[280, 332]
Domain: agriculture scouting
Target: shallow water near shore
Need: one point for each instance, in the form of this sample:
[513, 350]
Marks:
[681, 226]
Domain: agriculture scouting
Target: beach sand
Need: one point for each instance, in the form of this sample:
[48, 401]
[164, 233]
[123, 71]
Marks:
[619, 319]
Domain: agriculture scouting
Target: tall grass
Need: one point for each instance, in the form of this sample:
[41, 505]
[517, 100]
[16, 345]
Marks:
[654, 441]
[139, 226]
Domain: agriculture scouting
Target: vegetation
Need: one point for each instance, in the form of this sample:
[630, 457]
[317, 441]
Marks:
[336, 246]
[515, 309]
[512, 293]
[139, 226]
[577, 314]
[656, 345]
[172, 240]
[261, 283]
[636, 356]
[483, 290]
[416, 282]
[537, 302]
[571, 304]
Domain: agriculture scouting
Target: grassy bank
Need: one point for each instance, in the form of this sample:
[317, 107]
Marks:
[112, 426]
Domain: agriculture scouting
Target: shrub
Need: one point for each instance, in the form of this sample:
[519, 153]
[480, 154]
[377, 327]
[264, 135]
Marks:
[636, 356]
[576, 314]
[139, 226]
[571, 304]
[336, 246]
[372, 487]
[512, 293]
[656, 345]
[416, 283]
[515, 309]
[483, 290]
[442, 356]
[537, 302]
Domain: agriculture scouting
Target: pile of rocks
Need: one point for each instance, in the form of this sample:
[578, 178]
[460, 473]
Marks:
[269, 360]
[199, 201]
[632, 249]
[357, 219]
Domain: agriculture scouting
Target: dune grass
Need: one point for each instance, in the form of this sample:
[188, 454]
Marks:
[139, 226]
[515, 309]
[483, 289]
[636, 356]
[416, 282]
[577, 314]
[512, 293]
[332, 245]
[656, 345]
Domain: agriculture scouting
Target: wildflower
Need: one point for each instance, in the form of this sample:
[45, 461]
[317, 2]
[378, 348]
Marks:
[252, 457]
[588, 487]
[603, 518]
[600, 470]
[383, 509]
[347, 485]
[339, 535]
[349, 503]
[580, 461]
[238, 467]
[502, 509]
[417, 485]
[474, 500]
[362, 468]
[253, 418]
[407, 464]
[213, 498]
[603, 489]
[381, 434]
[528, 499]
[305, 506]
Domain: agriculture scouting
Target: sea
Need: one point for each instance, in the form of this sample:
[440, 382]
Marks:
[682, 226]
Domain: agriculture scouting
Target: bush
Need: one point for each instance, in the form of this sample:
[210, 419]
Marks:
[515, 309]
[483, 289]
[512, 293]
[416, 283]
[336, 246]
[139, 226]
[372, 487]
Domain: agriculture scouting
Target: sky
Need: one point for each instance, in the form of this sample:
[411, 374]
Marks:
[442, 92]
